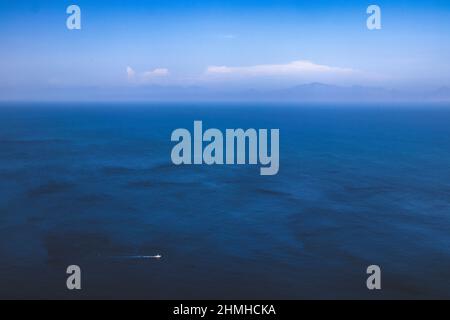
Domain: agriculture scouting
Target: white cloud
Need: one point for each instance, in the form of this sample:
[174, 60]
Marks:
[295, 68]
[159, 72]
[130, 73]
[146, 76]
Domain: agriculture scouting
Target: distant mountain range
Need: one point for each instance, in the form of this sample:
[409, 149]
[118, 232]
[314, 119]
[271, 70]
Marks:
[442, 94]
[329, 93]
[313, 92]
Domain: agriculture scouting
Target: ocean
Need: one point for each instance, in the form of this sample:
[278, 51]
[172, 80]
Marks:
[93, 185]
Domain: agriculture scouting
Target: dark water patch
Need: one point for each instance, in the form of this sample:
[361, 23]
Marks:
[272, 192]
[117, 170]
[13, 174]
[35, 219]
[367, 191]
[24, 142]
[146, 184]
[94, 198]
[63, 248]
[50, 188]
[165, 166]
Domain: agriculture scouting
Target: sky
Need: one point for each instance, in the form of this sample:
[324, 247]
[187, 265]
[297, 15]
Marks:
[222, 44]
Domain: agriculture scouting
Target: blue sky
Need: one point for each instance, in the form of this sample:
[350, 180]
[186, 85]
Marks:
[224, 44]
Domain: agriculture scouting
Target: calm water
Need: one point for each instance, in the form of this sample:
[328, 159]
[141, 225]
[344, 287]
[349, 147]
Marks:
[93, 184]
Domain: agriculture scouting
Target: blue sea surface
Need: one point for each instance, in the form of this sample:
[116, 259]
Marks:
[93, 185]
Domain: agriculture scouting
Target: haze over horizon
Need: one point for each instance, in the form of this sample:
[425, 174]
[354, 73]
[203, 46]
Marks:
[132, 49]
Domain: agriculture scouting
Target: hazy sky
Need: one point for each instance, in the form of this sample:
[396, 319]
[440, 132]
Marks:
[229, 43]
